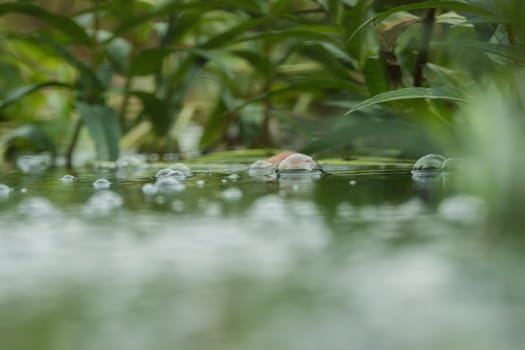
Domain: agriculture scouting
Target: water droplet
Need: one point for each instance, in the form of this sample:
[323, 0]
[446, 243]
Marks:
[149, 189]
[32, 164]
[153, 157]
[68, 179]
[261, 168]
[200, 183]
[23, 190]
[353, 182]
[224, 181]
[232, 194]
[182, 167]
[162, 173]
[102, 184]
[233, 177]
[5, 191]
[169, 184]
[298, 161]
[429, 163]
[167, 172]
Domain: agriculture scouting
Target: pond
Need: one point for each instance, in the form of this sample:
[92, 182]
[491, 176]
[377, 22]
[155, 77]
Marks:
[364, 257]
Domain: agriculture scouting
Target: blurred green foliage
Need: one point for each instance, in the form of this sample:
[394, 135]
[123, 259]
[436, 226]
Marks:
[335, 76]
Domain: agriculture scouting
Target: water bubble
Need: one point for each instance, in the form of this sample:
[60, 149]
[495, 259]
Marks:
[32, 164]
[429, 163]
[131, 161]
[298, 161]
[233, 177]
[232, 194]
[102, 184]
[162, 173]
[169, 184]
[149, 189]
[5, 191]
[170, 157]
[261, 168]
[353, 182]
[182, 167]
[179, 175]
[23, 190]
[153, 157]
[68, 179]
[38, 208]
[103, 203]
[167, 172]
[224, 181]
[200, 183]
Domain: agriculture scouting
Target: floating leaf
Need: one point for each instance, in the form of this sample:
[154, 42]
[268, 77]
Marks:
[408, 94]
[103, 125]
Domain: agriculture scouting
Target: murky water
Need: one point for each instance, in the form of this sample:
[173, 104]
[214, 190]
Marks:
[358, 259]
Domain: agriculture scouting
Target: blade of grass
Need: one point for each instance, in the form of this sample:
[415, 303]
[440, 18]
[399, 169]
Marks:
[408, 94]
[452, 5]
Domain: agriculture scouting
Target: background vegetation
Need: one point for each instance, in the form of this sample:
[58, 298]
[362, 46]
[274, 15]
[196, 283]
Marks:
[338, 76]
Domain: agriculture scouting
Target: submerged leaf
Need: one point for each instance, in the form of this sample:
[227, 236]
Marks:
[408, 94]
[103, 126]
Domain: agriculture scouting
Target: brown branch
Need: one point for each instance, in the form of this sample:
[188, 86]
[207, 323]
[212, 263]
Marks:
[422, 57]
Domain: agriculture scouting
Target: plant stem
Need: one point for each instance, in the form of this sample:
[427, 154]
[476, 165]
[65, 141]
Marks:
[72, 144]
[90, 97]
[422, 57]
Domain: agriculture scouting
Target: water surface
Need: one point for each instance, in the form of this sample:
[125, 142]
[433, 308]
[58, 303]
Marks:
[362, 258]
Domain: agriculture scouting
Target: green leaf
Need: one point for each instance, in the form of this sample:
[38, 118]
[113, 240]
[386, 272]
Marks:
[88, 78]
[103, 125]
[227, 36]
[298, 33]
[483, 20]
[164, 9]
[409, 94]
[28, 138]
[61, 23]
[452, 5]
[147, 61]
[311, 85]
[157, 110]
[23, 91]
[510, 52]
[257, 61]
[375, 75]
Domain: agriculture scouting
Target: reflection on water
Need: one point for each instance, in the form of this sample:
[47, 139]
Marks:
[353, 260]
